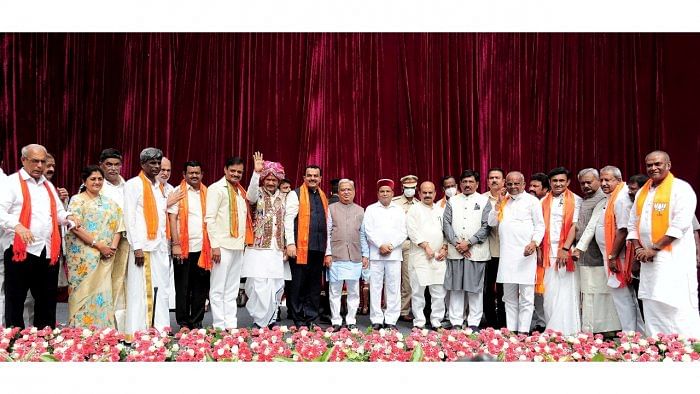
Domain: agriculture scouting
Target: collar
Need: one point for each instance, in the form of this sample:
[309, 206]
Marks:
[25, 175]
[120, 184]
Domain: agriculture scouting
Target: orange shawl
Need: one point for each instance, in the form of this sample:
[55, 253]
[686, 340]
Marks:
[183, 221]
[660, 217]
[150, 209]
[305, 222]
[233, 212]
[19, 248]
[569, 207]
[610, 226]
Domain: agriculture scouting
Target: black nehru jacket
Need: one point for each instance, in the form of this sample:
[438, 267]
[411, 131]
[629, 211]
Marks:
[317, 226]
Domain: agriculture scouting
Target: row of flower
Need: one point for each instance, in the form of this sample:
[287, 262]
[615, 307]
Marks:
[282, 344]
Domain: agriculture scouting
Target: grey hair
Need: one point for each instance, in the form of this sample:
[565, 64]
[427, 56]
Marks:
[26, 149]
[614, 170]
[150, 154]
[586, 171]
[346, 180]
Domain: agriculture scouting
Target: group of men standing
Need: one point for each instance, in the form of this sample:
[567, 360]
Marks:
[504, 258]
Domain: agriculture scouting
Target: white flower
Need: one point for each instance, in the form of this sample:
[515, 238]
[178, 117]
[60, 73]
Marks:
[284, 329]
[59, 339]
[537, 358]
[158, 343]
[202, 331]
[176, 347]
[494, 341]
[441, 354]
[303, 332]
[327, 334]
[542, 340]
[145, 337]
[150, 348]
[241, 340]
[662, 347]
[598, 341]
[264, 342]
[399, 345]
[425, 331]
[594, 350]
[295, 357]
[220, 352]
[514, 339]
[686, 358]
[360, 350]
[668, 360]
[267, 352]
[576, 355]
[86, 332]
[289, 341]
[348, 342]
[382, 332]
[626, 346]
[234, 349]
[354, 331]
[611, 352]
[33, 330]
[643, 342]
[273, 339]
[254, 345]
[190, 352]
[522, 357]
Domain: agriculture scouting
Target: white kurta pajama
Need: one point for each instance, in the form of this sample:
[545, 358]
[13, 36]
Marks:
[627, 315]
[225, 278]
[668, 285]
[263, 262]
[121, 258]
[142, 299]
[561, 287]
[424, 224]
[385, 225]
[522, 223]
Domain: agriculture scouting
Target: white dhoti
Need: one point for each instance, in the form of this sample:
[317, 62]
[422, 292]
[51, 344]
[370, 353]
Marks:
[385, 274]
[223, 290]
[265, 272]
[598, 313]
[561, 300]
[437, 301]
[519, 300]
[627, 309]
[663, 318]
[264, 296]
[121, 260]
[144, 302]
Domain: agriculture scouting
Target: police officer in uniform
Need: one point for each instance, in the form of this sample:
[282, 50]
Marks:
[409, 183]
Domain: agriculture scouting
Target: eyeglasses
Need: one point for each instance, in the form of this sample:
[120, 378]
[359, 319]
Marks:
[512, 183]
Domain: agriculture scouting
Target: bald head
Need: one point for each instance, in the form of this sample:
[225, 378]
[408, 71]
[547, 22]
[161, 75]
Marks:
[515, 183]
[427, 193]
[166, 169]
[658, 165]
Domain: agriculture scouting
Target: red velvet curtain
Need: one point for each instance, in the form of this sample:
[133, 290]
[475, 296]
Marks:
[363, 106]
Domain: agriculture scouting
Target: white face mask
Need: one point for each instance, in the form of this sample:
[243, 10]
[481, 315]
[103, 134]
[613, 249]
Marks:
[450, 192]
[409, 192]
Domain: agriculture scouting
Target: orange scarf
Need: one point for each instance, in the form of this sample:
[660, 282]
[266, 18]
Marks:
[305, 222]
[610, 227]
[150, 209]
[500, 207]
[233, 212]
[167, 219]
[661, 209]
[183, 220]
[19, 248]
[569, 207]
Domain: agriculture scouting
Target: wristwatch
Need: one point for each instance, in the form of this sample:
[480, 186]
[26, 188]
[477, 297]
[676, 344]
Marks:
[655, 247]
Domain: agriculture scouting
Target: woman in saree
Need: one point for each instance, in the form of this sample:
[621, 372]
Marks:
[90, 252]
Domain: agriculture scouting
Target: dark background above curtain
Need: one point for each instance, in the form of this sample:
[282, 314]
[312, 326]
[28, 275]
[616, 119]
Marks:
[363, 106]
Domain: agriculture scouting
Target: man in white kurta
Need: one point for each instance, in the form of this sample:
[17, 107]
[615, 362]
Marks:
[623, 296]
[113, 188]
[227, 242]
[264, 265]
[668, 282]
[561, 286]
[426, 258]
[148, 284]
[385, 230]
[518, 216]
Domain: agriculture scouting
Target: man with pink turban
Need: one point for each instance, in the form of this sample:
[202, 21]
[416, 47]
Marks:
[263, 263]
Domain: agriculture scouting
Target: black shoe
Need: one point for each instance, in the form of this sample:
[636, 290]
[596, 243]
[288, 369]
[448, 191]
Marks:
[325, 319]
[255, 325]
[335, 327]
[272, 325]
[407, 318]
[446, 325]
[418, 327]
[390, 326]
[475, 328]
[376, 326]
[539, 329]
[457, 327]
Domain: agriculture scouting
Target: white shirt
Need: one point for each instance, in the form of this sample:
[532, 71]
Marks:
[115, 192]
[135, 222]
[194, 217]
[385, 225]
[556, 217]
[218, 217]
[522, 223]
[41, 224]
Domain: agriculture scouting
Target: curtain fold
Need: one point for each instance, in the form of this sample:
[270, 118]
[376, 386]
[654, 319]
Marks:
[363, 106]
